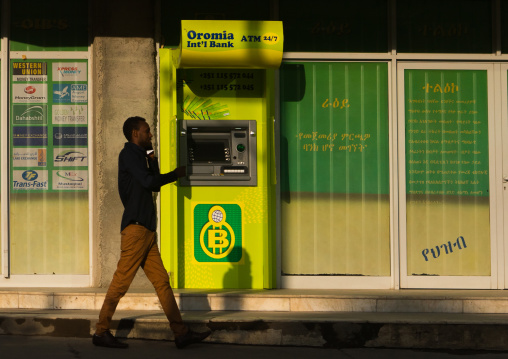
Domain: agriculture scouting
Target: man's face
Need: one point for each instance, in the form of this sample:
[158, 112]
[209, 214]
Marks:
[144, 136]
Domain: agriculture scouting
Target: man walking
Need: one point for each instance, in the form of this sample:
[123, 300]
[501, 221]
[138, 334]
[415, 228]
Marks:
[138, 177]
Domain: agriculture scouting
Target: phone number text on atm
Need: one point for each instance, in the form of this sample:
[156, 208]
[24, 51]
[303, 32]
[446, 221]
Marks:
[211, 87]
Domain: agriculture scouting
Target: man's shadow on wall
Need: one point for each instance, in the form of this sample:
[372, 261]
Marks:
[239, 275]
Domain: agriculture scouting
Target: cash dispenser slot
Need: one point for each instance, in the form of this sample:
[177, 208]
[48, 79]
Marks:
[218, 152]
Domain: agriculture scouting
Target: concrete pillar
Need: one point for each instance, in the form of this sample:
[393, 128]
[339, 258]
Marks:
[125, 84]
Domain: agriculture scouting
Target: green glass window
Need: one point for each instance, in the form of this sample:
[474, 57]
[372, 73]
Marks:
[335, 198]
[49, 166]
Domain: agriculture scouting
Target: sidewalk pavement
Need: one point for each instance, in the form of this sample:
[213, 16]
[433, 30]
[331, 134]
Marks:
[331, 319]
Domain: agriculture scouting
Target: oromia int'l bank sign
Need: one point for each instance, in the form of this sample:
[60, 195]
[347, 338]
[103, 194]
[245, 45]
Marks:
[231, 44]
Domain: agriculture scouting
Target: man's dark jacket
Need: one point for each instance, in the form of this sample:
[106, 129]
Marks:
[138, 177]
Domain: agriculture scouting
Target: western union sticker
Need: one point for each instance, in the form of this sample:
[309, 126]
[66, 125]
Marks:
[30, 71]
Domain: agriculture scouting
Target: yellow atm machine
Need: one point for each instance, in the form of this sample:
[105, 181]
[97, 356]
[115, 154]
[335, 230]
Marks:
[217, 118]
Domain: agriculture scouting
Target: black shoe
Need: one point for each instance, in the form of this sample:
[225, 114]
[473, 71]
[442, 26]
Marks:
[191, 338]
[108, 340]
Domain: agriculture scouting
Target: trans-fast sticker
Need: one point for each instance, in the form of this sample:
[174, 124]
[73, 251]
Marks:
[30, 180]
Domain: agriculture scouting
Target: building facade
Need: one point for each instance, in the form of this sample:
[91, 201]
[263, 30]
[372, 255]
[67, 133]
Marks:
[388, 140]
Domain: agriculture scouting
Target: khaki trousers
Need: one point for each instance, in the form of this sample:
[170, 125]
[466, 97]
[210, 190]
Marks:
[139, 249]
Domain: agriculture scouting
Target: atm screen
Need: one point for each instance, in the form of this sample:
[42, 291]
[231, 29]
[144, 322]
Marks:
[210, 151]
[218, 152]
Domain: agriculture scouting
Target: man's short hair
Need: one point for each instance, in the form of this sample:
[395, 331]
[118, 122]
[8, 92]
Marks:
[131, 124]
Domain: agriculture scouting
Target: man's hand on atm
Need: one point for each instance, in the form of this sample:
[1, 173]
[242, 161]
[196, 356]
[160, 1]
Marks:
[181, 171]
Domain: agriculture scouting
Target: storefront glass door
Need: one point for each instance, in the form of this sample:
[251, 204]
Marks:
[447, 201]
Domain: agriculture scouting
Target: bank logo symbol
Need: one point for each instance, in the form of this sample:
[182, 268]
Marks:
[217, 245]
[218, 233]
